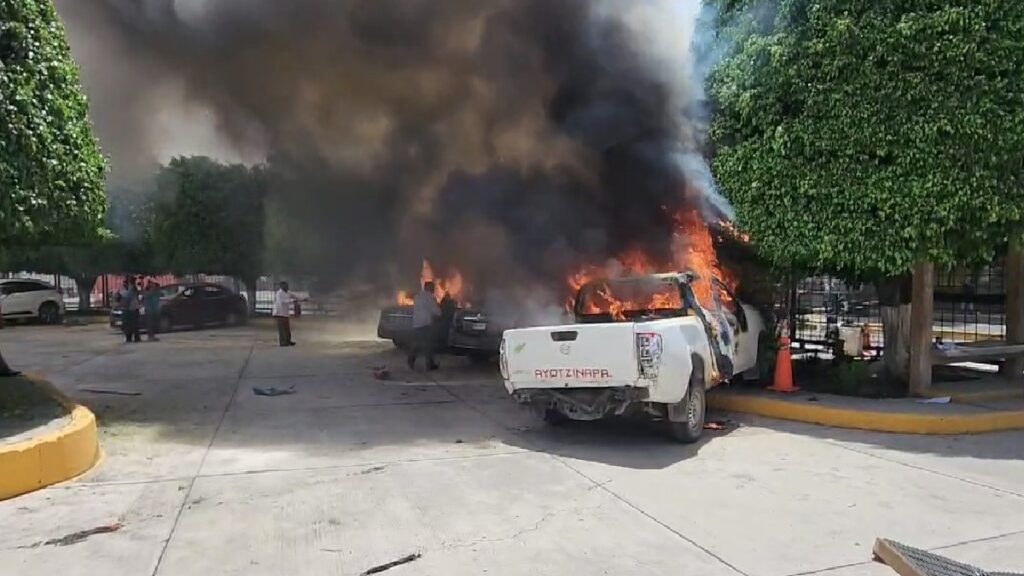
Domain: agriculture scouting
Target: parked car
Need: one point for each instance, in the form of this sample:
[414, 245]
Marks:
[653, 353]
[469, 332]
[26, 298]
[194, 306]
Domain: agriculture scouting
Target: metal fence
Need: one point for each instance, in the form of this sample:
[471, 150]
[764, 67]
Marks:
[970, 306]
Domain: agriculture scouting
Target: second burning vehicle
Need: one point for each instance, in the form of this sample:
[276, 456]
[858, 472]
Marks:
[648, 345]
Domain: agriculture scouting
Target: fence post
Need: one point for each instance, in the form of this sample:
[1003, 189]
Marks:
[922, 306]
[791, 307]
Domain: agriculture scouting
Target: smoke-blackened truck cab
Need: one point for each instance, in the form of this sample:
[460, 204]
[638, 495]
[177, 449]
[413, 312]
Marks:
[648, 345]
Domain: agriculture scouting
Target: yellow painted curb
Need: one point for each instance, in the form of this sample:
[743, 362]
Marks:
[52, 457]
[901, 422]
[977, 396]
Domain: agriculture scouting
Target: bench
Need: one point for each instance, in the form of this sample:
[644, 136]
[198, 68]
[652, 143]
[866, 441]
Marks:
[987, 350]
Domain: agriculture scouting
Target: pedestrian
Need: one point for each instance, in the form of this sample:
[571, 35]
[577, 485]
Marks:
[284, 303]
[130, 304]
[151, 309]
[425, 311]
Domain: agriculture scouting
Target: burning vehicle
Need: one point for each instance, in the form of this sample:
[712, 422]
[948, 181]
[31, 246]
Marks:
[645, 341]
[650, 344]
[462, 330]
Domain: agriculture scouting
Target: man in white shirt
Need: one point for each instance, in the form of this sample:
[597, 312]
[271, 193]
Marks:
[425, 311]
[283, 303]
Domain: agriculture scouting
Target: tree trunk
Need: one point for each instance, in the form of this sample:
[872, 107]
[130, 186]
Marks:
[1013, 368]
[894, 303]
[921, 322]
[84, 285]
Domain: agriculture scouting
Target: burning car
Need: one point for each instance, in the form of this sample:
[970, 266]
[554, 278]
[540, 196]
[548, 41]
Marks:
[462, 330]
[650, 344]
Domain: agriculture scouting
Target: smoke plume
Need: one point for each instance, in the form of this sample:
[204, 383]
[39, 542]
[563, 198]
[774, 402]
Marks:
[512, 138]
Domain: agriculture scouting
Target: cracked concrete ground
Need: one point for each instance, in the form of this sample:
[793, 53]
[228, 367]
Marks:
[351, 472]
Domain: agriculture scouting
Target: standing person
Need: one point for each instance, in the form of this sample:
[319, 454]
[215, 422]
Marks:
[130, 305]
[151, 306]
[284, 302]
[424, 312]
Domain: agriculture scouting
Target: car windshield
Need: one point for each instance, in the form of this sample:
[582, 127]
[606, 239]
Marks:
[623, 299]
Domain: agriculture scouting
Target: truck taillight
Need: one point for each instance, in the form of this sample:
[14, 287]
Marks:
[648, 354]
[503, 360]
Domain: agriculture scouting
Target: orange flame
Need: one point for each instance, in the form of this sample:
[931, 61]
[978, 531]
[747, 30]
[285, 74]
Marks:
[453, 286]
[693, 250]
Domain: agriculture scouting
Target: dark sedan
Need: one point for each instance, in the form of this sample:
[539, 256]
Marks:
[195, 306]
[469, 332]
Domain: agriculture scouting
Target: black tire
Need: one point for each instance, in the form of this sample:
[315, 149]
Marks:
[553, 417]
[694, 407]
[49, 313]
[166, 325]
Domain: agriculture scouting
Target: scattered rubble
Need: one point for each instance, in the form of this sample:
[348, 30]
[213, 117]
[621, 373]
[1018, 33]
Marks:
[392, 564]
[272, 391]
[81, 535]
[111, 392]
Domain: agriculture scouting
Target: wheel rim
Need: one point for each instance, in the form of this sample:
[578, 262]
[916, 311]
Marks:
[694, 411]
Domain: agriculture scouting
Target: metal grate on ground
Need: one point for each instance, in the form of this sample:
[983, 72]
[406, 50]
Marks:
[910, 561]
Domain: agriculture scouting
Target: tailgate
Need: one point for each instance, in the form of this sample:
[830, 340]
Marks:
[576, 356]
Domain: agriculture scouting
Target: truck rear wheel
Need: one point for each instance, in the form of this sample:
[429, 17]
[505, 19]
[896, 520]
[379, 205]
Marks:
[686, 419]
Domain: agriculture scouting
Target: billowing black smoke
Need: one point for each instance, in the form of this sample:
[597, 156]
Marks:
[512, 138]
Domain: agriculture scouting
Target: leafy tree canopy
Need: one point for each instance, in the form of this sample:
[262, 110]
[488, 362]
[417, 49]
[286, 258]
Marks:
[51, 169]
[862, 135]
[209, 217]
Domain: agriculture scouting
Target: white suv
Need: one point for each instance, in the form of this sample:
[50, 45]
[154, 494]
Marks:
[25, 298]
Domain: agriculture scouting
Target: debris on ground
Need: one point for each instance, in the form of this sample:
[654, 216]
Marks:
[111, 392]
[272, 391]
[373, 470]
[76, 537]
[459, 441]
[939, 400]
[392, 564]
[718, 425]
[381, 372]
[910, 561]
[813, 399]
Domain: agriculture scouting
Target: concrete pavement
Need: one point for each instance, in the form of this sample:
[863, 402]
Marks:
[350, 472]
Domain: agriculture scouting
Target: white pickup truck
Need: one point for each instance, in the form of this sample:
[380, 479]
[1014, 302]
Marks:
[646, 345]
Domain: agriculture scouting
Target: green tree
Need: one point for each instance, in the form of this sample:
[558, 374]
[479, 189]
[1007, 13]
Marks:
[209, 219]
[82, 263]
[51, 169]
[862, 136]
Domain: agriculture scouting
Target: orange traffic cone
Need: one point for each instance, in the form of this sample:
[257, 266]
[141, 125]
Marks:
[783, 369]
